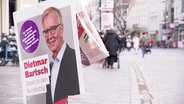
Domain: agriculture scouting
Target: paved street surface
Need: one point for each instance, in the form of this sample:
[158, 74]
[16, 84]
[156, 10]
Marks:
[163, 73]
[105, 86]
[156, 79]
[10, 87]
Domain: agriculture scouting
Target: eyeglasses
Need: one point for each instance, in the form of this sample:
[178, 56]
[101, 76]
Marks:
[51, 30]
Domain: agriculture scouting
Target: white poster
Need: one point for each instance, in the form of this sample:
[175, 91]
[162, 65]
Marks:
[107, 20]
[49, 54]
[107, 5]
[92, 47]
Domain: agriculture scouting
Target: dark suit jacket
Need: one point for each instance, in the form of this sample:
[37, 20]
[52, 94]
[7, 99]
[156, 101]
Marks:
[67, 82]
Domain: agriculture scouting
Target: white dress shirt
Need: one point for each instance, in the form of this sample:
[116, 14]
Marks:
[55, 69]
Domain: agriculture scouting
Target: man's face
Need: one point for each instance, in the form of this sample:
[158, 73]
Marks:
[53, 32]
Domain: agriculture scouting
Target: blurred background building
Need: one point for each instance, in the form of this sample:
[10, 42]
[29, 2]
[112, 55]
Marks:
[7, 7]
[159, 19]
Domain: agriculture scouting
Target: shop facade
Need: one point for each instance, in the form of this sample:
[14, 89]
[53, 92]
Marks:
[7, 7]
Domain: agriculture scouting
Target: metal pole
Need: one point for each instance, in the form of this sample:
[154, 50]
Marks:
[166, 17]
[100, 19]
[8, 17]
[0, 19]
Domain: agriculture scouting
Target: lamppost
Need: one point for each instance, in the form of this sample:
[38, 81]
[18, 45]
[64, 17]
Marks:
[100, 18]
[165, 27]
[0, 19]
[166, 13]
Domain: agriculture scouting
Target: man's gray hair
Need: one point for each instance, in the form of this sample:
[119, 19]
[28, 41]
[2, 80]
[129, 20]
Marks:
[52, 9]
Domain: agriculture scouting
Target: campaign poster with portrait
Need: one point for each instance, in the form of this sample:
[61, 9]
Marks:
[36, 46]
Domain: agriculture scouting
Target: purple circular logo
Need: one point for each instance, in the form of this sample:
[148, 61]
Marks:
[29, 36]
[84, 58]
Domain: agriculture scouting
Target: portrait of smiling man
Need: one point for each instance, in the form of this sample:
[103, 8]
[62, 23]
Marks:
[64, 79]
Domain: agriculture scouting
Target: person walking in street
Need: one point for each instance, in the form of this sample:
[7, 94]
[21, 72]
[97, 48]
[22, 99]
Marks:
[143, 43]
[64, 77]
[182, 40]
[122, 43]
[128, 42]
[101, 34]
[151, 43]
[136, 44]
[111, 41]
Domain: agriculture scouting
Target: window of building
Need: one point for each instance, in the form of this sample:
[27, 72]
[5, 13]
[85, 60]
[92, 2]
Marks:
[41, 0]
[11, 10]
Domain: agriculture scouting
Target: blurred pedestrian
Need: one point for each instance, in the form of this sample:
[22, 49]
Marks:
[122, 43]
[182, 40]
[101, 34]
[150, 43]
[169, 42]
[136, 44]
[143, 43]
[111, 41]
[128, 42]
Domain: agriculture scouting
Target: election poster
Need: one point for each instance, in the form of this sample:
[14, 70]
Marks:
[49, 52]
[91, 46]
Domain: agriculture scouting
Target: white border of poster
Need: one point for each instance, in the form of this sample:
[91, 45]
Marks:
[37, 50]
[107, 20]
